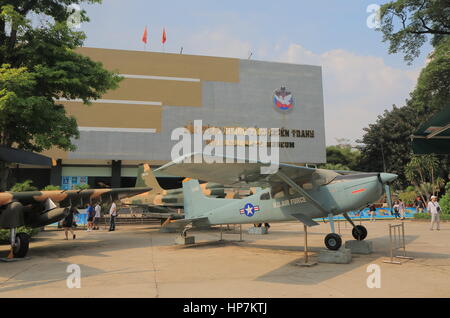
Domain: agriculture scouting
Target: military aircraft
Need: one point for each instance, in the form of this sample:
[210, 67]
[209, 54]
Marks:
[291, 193]
[161, 200]
[38, 208]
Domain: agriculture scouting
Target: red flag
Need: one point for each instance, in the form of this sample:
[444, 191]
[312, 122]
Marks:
[164, 38]
[144, 36]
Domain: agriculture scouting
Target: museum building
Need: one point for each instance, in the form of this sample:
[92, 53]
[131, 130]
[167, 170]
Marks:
[160, 92]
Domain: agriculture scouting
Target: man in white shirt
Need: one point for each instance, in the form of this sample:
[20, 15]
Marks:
[113, 214]
[98, 210]
[434, 209]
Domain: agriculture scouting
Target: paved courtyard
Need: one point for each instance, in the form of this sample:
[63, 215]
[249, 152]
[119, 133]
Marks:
[139, 261]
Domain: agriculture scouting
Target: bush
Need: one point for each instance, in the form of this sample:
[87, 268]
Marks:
[408, 196]
[81, 187]
[24, 186]
[427, 216]
[4, 234]
[444, 202]
[51, 188]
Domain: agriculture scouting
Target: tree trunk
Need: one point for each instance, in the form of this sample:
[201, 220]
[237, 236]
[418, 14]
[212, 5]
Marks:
[4, 174]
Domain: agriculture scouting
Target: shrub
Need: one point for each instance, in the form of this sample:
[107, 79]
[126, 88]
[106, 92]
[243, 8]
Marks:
[51, 188]
[444, 202]
[23, 186]
[427, 216]
[4, 234]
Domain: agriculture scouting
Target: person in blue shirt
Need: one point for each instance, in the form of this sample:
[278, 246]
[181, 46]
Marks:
[91, 213]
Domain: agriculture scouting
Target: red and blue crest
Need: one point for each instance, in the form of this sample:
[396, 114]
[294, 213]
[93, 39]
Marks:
[283, 100]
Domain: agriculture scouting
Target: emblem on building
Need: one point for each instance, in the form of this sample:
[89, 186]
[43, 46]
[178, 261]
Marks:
[283, 100]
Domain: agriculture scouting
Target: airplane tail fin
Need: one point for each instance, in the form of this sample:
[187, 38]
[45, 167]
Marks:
[146, 178]
[196, 204]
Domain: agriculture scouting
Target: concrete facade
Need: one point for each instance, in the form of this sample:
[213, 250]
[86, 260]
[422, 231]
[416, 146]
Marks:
[248, 103]
[161, 92]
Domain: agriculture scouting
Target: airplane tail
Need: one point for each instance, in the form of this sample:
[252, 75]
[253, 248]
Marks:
[146, 178]
[196, 204]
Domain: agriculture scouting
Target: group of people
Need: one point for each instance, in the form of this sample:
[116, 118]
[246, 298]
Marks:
[93, 217]
[400, 208]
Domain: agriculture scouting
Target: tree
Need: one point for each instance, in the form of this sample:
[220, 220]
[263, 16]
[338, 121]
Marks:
[444, 202]
[342, 157]
[389, 136]
[423, 172]
[38, 67]
[406, 24]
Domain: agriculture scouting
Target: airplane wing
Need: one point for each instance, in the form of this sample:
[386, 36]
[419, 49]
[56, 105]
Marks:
[247, 172]
[180, 224]
[69, 197]
[244, 172]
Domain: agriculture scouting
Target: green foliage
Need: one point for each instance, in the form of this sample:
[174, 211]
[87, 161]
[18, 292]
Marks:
[392, 130]
[422, 216]
[444, 202]
[407, 23]
[408, 196]
[389, 137]
[51, 188]
[81, 187]
[342, 157]
[432, 92]
[427, 216]
[23, 187]
[5, 235]
[423, 171]
[39, 65]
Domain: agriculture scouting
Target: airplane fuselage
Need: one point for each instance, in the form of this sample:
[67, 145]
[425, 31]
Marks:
[340, 196]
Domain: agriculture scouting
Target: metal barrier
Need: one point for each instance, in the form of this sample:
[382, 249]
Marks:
[397, 242]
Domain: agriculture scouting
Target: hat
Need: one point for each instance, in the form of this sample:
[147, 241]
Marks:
[433, 197]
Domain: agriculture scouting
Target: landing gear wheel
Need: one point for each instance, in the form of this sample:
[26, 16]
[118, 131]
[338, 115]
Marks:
[359, 232]
[333, 241]
[21, 245]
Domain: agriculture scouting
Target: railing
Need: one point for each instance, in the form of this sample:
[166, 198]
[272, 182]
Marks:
[397, 242]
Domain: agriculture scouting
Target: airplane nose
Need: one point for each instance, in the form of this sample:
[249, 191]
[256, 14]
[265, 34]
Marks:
[388, 177]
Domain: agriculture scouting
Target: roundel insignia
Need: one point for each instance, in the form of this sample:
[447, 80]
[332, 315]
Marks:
[249, 210]
[283, 100]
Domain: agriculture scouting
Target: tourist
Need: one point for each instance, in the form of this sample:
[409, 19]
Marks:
[434, 209]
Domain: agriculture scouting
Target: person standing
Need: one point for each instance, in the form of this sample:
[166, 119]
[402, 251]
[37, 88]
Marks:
[113, 215]
[98, 214]
[434, 209]
[90, 214]
[373, 213]
[396, 206]
[418, 203]
[401, 209]
[68, 223]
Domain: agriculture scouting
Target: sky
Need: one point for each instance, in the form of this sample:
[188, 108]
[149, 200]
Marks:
[360, 78]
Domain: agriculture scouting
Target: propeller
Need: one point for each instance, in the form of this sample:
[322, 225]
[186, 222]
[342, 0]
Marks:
[385, 179]
[387, 189]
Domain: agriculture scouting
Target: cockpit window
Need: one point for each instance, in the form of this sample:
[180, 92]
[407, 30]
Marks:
[265, 196]
[278, 195]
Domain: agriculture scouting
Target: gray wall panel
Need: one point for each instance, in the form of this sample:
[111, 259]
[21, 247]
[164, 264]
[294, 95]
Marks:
[246, 104]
